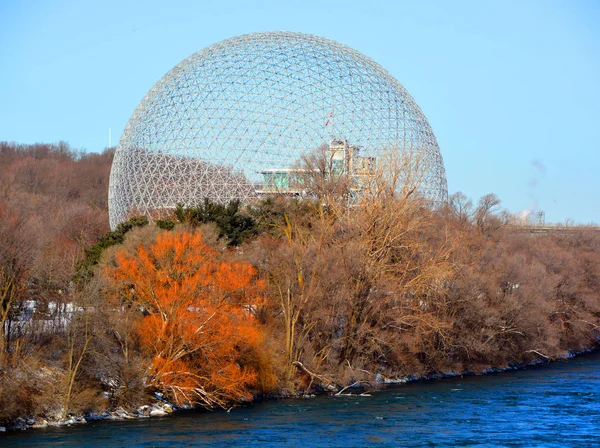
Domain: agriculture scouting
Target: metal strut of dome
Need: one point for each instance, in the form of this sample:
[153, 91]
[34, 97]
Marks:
[222, 118]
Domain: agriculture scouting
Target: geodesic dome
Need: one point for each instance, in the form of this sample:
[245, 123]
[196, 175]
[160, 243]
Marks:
[245, 110]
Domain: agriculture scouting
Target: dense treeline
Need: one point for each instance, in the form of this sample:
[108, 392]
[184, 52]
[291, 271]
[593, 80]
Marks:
[53, 204]
[218, 304]
[54, 200]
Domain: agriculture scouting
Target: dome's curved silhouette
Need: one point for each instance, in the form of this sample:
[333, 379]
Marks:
[245, 109]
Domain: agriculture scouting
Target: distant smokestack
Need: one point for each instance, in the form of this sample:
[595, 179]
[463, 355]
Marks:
[525, 214]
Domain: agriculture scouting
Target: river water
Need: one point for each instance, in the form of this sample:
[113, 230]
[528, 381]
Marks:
[550, 405]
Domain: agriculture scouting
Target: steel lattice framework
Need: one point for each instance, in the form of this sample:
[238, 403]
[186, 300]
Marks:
[223, 116]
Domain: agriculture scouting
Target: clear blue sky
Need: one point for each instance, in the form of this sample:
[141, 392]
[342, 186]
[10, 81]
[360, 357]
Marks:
[511, 88]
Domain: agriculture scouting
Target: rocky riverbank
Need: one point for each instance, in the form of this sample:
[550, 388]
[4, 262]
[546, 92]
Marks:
[156, 409]
[162, 408]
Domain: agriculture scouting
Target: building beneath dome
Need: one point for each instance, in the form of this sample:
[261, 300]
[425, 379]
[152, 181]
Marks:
[233, 120]
[343, 158]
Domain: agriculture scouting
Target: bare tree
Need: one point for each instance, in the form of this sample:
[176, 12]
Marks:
[15, 257]
[461, 207]
[321, 178]
[485, 213]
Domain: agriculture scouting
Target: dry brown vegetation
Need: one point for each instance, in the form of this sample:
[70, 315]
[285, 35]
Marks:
[53, 204]
[219, 305]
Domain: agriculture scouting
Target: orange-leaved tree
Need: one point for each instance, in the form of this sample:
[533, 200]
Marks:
[197, 324]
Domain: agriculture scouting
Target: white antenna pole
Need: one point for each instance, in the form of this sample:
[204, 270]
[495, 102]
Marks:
[109, 137]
